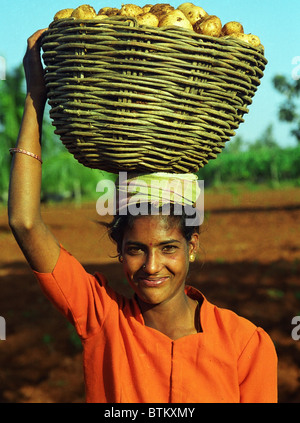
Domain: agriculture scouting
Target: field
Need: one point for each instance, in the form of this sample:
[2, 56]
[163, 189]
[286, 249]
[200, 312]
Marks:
[249, 263]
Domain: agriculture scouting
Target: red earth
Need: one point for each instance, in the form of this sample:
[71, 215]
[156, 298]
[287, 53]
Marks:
[249, 262]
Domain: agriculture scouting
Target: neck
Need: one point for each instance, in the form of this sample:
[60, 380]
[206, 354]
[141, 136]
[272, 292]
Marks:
[175, 318]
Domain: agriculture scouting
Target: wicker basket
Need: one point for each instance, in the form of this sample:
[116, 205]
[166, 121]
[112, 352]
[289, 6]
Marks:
[138, 99]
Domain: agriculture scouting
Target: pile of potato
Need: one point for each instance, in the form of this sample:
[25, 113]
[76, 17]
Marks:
[187, 16]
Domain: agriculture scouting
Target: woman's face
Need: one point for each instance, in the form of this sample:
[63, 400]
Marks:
[155, 258]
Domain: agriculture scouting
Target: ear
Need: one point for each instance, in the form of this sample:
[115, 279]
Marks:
[193, 246]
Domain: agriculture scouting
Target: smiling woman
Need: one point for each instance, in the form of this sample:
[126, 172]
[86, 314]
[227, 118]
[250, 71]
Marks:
[166, 344]
[155, 250]
[155, 258]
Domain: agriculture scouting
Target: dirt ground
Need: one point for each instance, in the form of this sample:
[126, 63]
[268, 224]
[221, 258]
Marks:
[249, 263]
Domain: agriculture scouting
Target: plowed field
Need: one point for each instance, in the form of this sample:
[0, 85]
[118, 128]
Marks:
[249, 263]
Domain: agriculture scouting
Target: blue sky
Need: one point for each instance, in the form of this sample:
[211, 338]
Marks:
[276, 22]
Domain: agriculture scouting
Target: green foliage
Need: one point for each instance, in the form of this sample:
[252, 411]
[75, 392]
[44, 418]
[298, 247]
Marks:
[11, 109]
[262, 161]
[65, 178]
[262, 165]
[11, 102]
[288, 111]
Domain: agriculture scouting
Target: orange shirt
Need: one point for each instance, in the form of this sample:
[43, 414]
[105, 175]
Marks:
[231, 360]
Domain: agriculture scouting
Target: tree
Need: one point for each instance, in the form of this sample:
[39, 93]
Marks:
[268, 143]
[11, 110]
[266, 140]
[288, 111]
[11, 106]
[235, 145]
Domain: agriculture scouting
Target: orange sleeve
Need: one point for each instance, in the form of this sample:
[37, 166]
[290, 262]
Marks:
[79, 296]
[257, 367]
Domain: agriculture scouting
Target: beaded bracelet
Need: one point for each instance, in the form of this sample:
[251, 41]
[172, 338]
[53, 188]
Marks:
[20, 150]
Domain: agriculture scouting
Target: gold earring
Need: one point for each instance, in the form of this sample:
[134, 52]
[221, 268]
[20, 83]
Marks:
[192, 257]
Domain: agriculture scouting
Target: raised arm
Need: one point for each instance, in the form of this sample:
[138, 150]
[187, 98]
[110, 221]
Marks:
[38, 244]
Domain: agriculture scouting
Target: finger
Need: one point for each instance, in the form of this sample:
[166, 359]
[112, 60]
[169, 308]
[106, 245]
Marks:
[33, 40]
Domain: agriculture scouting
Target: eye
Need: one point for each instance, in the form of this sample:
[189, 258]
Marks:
[134, 250]
[169, 249]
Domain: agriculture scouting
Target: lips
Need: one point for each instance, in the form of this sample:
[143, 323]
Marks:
[153, 282]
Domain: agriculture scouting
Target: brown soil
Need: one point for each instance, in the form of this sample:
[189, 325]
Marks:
[249, 263]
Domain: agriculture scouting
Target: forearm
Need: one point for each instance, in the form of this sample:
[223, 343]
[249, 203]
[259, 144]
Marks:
[25, 181]
[38, 244]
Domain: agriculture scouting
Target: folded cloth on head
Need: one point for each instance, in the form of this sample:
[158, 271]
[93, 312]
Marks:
[157, 189]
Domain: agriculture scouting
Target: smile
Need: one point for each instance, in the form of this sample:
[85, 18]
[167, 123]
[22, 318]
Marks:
[152, 282]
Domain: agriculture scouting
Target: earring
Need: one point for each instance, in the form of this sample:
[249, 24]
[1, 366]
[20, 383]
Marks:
[192, 258]
[120, 259]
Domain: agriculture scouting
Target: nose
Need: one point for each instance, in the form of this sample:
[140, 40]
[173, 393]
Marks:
[152, 263]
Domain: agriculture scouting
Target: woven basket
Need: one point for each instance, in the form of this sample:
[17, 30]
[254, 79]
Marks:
[138, 99]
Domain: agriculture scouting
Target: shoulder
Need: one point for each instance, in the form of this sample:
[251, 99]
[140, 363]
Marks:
[228, 327]
[228, 319]
[244, 335]
[213, 317]
[70, 281]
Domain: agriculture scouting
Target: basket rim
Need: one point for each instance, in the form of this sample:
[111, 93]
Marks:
[130, 23]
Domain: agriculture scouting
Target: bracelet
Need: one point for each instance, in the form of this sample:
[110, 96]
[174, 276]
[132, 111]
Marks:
[20, 150]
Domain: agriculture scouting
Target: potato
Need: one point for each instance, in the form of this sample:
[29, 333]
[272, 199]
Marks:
[130, 10]
[232, 28]
[108, 11]
[192, 12]
[147, 8]
[100, 17]
[161, 9]
[84, 12]
[63, 14]
[251, 39]
[148, 19]
[187, 15]
[254, 40]
[211, 25]
[176, 18]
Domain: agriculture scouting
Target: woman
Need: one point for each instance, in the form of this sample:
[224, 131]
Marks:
[167, 343]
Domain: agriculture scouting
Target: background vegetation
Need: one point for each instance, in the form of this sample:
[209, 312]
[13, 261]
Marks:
[255, 163]
[63, 177]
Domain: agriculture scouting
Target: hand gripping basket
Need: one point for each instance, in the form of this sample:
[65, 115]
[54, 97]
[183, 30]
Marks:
[129, 98]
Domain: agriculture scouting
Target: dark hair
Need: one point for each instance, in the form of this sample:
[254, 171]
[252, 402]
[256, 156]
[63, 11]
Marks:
[120, 223]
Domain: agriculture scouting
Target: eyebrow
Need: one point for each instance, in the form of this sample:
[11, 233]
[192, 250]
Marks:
[140, 244]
